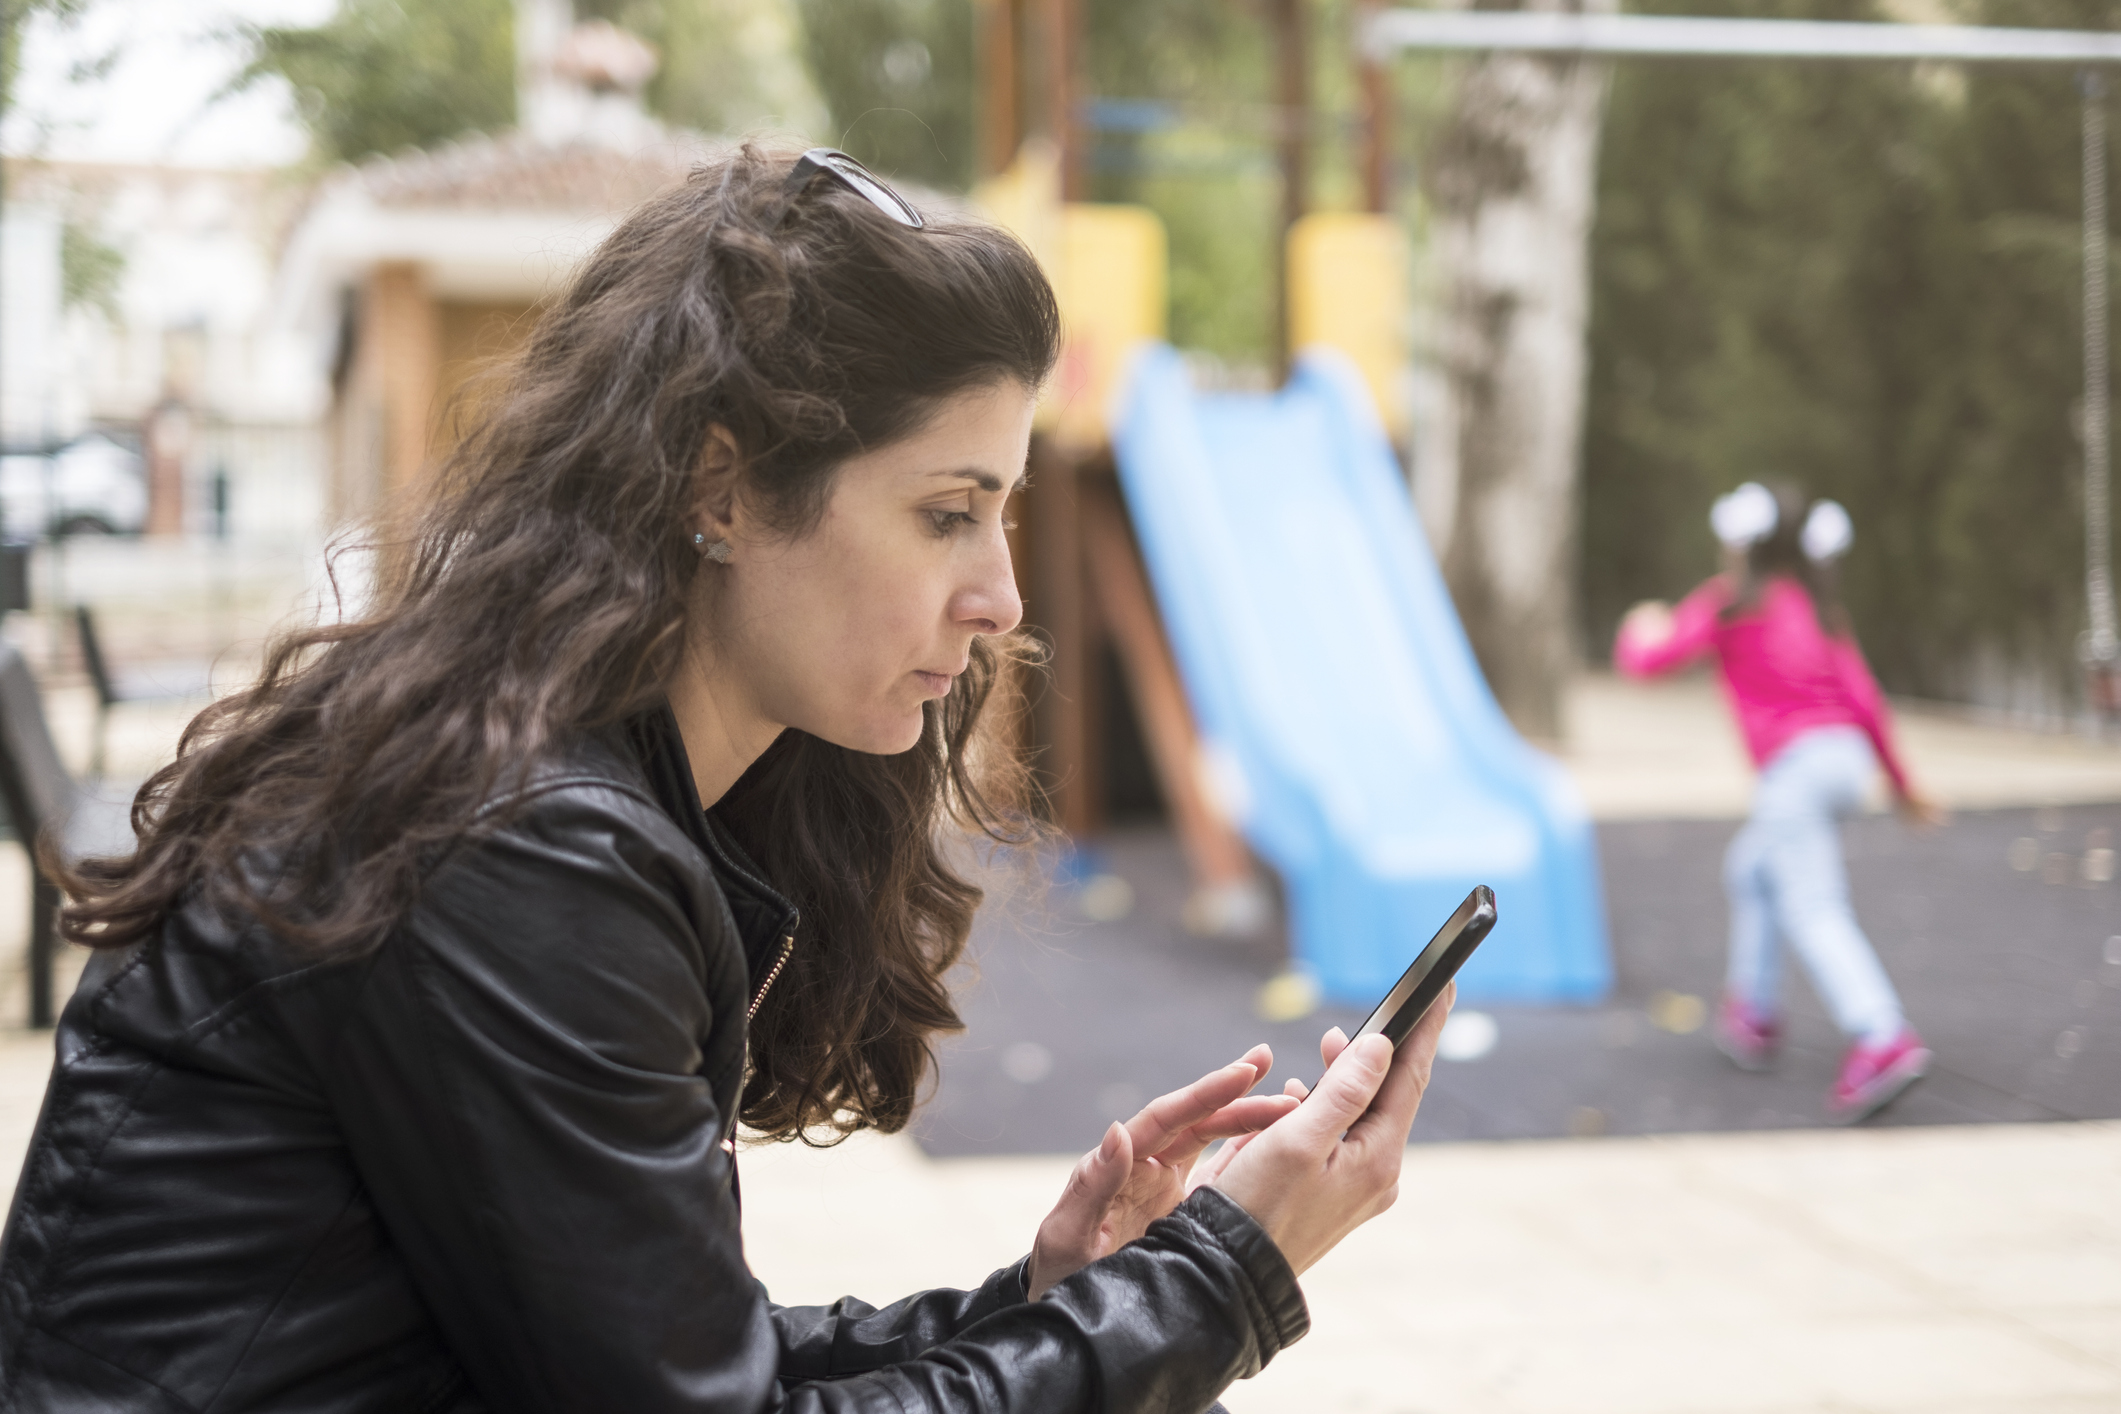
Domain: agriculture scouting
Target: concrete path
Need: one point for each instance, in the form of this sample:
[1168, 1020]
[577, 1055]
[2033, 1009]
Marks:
[1668, 751]
[1936, 1271]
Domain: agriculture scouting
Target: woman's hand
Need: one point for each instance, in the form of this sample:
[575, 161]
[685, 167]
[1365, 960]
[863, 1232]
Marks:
[1333, 1164]
[1138, 1174]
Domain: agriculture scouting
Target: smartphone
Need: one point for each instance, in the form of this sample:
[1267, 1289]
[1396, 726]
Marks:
[1417, 990]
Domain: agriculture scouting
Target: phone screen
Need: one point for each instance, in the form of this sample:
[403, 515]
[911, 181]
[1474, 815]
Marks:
[1417, 990]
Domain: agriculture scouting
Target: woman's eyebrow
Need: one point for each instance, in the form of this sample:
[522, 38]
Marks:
[985, 480]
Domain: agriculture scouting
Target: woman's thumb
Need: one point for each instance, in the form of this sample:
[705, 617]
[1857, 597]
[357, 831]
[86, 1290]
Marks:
[1347, 1088]
[1102, 1173]
[1068, 1238]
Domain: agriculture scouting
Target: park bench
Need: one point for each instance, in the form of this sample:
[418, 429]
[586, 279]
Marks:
[42, 797]
[165, 682]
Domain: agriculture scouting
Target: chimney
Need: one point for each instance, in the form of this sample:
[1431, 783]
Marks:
[542, 27]
[580, 83]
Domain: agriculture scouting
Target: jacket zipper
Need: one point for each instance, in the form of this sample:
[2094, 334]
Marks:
[773, 973]
[758, 998]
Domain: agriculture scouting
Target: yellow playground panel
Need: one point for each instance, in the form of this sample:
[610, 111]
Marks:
[1111, 284]
[1348, 290]
[1109, 267]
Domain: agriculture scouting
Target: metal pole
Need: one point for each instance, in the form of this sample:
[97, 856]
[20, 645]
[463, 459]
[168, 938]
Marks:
[8, 18]
[2099, 648]
[1292, 108]
[1292, 101]
[1063, 39]
[1376, 117]
[1684, 36]
[1000, 24]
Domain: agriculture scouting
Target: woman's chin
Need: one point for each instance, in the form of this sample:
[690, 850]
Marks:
[882, 738]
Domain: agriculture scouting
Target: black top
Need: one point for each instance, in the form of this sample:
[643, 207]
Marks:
[483, 1168]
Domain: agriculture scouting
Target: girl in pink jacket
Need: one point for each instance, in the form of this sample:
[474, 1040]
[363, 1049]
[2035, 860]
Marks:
[1815, 724]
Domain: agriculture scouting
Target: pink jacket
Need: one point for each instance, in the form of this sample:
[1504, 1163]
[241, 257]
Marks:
[1783, 673]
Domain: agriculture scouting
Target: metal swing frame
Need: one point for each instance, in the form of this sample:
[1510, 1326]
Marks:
[1386, 32]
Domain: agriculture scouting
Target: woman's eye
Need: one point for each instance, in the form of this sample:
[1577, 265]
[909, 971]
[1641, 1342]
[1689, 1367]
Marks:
[947, 521]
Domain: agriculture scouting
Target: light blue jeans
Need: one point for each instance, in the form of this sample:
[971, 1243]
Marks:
[1787, 883]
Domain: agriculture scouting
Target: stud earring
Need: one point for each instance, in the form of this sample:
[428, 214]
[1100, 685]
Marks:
[699, 539]
[719, 552]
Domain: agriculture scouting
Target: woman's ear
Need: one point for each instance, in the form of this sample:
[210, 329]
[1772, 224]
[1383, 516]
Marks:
[720, 476]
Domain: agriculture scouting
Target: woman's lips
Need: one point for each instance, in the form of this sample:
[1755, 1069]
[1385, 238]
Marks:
[937, 683]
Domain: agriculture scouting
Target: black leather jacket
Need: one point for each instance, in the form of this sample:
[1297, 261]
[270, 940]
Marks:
[484, 1168]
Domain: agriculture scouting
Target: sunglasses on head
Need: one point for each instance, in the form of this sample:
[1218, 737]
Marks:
[833, 163]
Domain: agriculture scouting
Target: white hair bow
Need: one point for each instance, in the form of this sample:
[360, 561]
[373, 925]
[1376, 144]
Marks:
[1744, 517]
[1828, 532]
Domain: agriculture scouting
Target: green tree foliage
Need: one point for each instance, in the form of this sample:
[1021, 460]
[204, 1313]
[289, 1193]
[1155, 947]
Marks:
[727, 66]
[898, 81]
[89, 270]
[1863, 279]
[384, 75]
[901, 82]
[1197, 77]
[898, 78]
[14, 16]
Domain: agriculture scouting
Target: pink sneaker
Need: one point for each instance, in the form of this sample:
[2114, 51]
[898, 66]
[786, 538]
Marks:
[1872, 1076]
[1749, 1037]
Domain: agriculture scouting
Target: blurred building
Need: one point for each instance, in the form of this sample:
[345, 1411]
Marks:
[281, 349]
[413, 272]
[136, 301]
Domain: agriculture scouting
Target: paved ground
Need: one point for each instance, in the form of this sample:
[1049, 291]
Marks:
[1943, 1270]
[2006, 971]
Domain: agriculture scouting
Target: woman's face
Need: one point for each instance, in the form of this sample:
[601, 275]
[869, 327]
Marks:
[847, 629]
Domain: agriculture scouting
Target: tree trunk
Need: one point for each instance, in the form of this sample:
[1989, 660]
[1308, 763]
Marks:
[1511, 188]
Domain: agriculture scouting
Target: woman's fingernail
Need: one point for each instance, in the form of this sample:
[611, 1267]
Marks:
[1109, 1150]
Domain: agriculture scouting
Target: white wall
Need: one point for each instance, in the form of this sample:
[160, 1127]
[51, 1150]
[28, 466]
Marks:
[33, 393]
[193, 317]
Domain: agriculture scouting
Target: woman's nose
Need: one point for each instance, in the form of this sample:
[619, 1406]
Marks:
[990, 604]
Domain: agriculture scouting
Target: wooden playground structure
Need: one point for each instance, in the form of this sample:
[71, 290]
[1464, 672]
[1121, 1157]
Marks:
[1341, 282]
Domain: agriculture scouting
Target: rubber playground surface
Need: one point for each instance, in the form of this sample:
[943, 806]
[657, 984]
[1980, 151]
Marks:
[1996, 929]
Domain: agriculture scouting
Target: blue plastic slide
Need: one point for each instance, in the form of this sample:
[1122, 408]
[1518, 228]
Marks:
[1344, 720]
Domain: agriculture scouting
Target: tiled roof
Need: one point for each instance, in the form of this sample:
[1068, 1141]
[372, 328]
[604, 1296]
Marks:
[515, 172]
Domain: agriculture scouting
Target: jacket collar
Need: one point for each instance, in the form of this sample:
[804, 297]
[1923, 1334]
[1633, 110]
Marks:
[763, 917]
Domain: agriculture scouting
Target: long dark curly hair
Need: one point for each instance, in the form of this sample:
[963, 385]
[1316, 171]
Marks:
[540, 591]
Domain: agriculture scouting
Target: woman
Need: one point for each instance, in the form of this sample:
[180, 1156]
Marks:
[1817, 727]
[453, 951]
